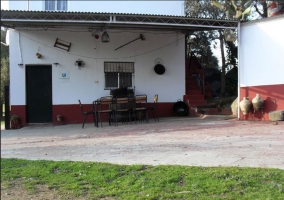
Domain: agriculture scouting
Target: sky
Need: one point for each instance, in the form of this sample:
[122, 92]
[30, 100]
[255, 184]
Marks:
[4, 5]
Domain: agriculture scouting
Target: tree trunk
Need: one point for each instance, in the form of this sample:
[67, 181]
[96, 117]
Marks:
[223, 81]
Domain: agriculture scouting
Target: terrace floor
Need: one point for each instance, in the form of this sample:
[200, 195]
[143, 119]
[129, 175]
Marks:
[210, 140]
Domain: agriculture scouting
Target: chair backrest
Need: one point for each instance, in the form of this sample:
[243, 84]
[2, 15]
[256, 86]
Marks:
[156, 98]
[105, 103]
[106, 100]
[122, 100]
[122, 103]
[141, 100]
[155, 101]
[81, 106]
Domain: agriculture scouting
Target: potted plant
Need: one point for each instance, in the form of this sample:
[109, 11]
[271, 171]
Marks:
[15, 121]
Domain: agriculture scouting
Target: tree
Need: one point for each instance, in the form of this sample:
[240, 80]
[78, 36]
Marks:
[201, 46]
[242, 10]
[200, 41]
[249, 9]
[204, 8]
[4, 66]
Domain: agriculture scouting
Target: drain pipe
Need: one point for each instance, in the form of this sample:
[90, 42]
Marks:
[239, 68]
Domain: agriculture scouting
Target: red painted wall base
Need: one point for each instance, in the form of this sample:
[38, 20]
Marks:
[72, 114]
[273, 96]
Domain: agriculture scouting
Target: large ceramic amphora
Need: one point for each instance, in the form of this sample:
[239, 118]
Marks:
[245, 105]
[257, 102]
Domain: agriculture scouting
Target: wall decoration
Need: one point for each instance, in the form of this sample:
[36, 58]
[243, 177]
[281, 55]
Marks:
[96, 34]
[140, 37]
[62, 44]
[38, 55]
[159, 67]
[105, 37]
[79, 63]
[64, 75]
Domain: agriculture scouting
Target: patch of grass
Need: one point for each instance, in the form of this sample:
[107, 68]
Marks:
[101, 180]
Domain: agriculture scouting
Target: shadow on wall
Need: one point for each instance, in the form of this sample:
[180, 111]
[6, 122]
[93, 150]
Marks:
[273, 96]
[270, 103]
[268, 106]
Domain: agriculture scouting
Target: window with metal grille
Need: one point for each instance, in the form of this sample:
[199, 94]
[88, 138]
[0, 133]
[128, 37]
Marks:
[119, 74]
[55, 5]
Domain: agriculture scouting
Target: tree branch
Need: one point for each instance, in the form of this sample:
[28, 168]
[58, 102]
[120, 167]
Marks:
[258, 11]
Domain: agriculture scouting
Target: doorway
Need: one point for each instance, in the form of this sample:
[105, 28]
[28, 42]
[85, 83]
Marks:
[39, 93]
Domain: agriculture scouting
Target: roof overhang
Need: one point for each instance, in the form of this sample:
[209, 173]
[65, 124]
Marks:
[45, 19]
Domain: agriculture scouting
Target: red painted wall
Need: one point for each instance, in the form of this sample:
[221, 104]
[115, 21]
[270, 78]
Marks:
[273, 96]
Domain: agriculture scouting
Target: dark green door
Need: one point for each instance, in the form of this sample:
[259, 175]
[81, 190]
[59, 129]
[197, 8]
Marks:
[39, 93]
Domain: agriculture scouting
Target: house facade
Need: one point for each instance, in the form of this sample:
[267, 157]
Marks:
[67, 83]
[48, 40]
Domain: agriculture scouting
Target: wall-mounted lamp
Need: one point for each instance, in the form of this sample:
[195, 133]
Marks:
[38, 55]
[56, 64]
[79, 63]
[20, 64]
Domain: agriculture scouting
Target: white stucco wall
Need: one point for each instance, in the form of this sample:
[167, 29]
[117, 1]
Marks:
[140, 7]
[81, 84]
[261, 52]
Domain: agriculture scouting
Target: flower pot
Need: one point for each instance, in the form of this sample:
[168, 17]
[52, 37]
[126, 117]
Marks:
[15, 123]
[245, 105]
[257, 102]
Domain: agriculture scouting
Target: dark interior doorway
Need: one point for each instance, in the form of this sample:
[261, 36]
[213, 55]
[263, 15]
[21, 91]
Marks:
[39, 93]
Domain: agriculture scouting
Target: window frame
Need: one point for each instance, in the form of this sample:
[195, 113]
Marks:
[116, 69]
[55, 5]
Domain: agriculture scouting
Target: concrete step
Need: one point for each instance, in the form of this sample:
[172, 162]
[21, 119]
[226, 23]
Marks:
[208, 95]
[194, 71]
[191, 82]
[196, 102]
[193, 92]
[192, 87]
[189, 74]
[194, 97]
[196, 111]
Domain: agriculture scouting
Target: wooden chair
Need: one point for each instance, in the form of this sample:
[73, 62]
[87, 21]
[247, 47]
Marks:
[85, 113]
[140, 107]
[154, 107]
[103, 109]
[122, 109]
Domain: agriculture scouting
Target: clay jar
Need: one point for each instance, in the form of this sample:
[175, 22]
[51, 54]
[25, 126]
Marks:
[257, 102]
[245, 105]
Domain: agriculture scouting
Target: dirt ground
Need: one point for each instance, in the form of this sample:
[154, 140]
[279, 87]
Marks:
[205, 141]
